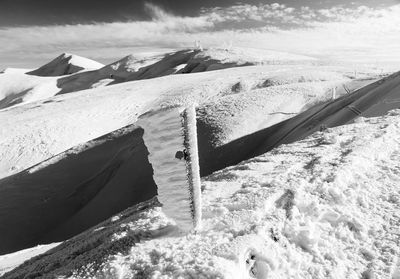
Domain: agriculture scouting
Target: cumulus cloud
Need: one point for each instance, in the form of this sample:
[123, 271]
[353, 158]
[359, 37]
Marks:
[337, 32]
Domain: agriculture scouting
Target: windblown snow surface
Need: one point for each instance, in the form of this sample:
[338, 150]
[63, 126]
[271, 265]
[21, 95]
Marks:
[324, 207]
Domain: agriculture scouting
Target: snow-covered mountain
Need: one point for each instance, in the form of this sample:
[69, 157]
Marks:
[66, 64]
[70, 161]
[70, 73]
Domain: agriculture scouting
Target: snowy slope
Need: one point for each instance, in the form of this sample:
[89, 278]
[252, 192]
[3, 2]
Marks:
[110, 175]
[29, 132]
[77, 189]
[14, 70]
[376, 98]
[324, 207]
[72, 191]
[11, 261]
[66, 64]
[45, 144]
[16, 87]
[19, 86]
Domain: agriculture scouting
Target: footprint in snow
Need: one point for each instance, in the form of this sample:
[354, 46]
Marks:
[256, 265]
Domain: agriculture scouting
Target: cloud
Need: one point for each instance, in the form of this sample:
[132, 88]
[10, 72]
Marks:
[165, 30]
[337, 32]
[156, 12]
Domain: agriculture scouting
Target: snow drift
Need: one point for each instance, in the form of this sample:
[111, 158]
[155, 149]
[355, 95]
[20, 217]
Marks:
[75, 190]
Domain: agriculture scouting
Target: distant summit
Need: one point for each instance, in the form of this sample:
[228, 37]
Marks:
[66, 64]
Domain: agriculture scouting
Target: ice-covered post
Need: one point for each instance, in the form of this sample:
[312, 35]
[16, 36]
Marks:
[170, 136]
[192, 162]
[334, 93]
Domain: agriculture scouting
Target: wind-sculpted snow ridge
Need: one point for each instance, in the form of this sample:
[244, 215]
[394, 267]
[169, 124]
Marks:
[323, 207]
[374, 99]
[66, 64]
[77, 189]
[170, 136]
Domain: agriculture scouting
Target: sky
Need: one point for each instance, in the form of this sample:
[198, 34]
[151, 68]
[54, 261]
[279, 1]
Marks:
[35, 31]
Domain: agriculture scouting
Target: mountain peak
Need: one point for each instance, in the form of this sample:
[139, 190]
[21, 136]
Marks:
[66, 64]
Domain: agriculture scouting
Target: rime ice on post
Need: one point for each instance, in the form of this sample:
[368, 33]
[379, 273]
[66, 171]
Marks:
[168, 132]
[334, 93]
